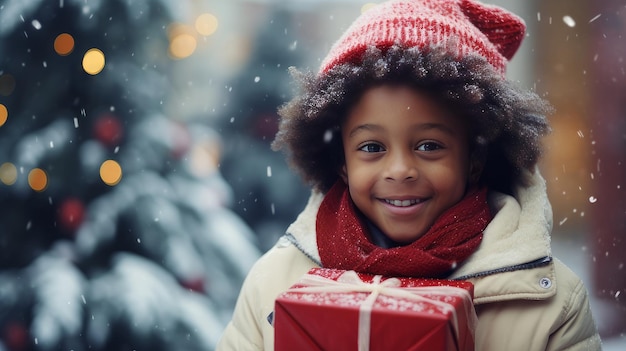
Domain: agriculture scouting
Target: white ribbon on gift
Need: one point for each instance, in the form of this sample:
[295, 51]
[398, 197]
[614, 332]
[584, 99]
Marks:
[349, 281]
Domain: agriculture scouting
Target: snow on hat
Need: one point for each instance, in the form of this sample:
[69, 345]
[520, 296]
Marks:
[474, 28]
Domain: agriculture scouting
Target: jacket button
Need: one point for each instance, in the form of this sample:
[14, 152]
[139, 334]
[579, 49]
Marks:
[545, 283]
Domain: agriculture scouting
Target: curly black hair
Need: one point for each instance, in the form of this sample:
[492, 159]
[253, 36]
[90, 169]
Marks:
[508, 122]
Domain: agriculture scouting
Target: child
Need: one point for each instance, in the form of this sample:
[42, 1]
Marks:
[422, 158]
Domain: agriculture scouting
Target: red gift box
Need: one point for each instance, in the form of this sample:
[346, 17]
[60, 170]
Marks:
[331, 309]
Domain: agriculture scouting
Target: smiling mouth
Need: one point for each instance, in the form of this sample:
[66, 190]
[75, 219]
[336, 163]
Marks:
[402, 203]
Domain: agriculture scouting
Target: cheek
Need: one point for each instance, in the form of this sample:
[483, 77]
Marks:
[451, 180]
[357, 176]
[361, 179]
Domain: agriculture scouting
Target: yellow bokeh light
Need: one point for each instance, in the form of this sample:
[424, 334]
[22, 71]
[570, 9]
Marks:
[110, 172]
[93, 61]
[182, 40]
[367, 6]
[7, 84]
[204, 158]
[38, 179]
[8, 173]
[64, 44]
[206, 24]
[4, 114]
[182, 46]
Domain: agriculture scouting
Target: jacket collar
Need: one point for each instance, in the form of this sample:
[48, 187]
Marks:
[518, 234]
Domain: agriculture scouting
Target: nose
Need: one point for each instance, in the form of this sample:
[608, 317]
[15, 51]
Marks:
[401, 167]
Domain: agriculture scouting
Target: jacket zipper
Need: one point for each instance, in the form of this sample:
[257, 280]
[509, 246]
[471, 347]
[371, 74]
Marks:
[544, 261]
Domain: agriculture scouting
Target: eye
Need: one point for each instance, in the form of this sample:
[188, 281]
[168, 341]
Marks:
[429, 146]
[372, 147]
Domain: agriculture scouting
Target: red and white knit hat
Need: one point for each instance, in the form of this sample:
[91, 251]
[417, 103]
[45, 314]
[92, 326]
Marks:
[474, 28]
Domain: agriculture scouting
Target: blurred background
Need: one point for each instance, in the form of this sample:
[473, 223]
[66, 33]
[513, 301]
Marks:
[137, 185]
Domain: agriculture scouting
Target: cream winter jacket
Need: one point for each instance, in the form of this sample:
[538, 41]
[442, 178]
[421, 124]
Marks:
[525, 299]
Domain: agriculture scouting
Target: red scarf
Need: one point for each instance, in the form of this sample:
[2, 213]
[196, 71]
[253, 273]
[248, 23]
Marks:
[342, 238]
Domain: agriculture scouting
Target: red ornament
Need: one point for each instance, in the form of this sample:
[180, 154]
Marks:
[71, 214]
[194, 284]
[15, 336]
[108, 130]
[180, 140]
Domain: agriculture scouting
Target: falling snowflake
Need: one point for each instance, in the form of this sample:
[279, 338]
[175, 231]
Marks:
[328, 136]
[569, 21]
[595, 18]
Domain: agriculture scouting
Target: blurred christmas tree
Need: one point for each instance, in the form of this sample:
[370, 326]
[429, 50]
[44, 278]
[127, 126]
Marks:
[114, 227]
[268, 195]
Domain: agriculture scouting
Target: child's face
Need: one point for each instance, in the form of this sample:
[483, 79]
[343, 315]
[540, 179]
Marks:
[407, 160]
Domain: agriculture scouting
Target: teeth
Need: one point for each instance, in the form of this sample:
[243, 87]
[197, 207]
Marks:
[402, 203]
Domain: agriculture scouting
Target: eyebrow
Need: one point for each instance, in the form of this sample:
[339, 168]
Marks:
[364, 127]
[440, 126]
[421, 126]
